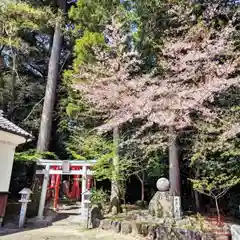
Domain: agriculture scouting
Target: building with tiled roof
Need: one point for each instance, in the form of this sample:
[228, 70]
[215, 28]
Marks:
[10, 137]
[6, 125]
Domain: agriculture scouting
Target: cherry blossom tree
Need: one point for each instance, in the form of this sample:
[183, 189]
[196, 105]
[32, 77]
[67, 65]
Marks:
[198, 58]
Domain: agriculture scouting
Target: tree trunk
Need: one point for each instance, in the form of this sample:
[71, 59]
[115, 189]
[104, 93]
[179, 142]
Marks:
[174, 170]
[218, 212]
[115, 202]
[142, 181]
[174, 173]
[49, 100]
[143, 188]
[13, 84]
[196, 194]
[197, 201]
[14, 77]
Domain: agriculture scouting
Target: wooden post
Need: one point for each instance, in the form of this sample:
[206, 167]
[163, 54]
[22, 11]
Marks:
[44, 192]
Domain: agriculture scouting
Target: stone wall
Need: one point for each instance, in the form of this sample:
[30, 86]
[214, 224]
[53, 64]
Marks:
[156, 232]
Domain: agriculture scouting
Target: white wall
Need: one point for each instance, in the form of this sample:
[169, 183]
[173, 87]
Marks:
[6, 162]
[11, 138]
[8, 143]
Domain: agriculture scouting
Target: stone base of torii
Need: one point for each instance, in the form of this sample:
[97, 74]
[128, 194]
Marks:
[64, 167]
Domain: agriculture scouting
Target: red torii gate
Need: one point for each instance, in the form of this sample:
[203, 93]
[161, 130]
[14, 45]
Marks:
[54, 169]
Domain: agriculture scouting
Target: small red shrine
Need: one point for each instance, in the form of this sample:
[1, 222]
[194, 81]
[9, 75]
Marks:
[53, 171]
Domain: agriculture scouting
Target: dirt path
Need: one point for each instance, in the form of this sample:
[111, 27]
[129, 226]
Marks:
[65, 228]
[66, 233]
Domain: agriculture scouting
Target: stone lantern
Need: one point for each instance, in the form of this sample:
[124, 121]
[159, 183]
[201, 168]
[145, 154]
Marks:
[86, 203]
[25, 199]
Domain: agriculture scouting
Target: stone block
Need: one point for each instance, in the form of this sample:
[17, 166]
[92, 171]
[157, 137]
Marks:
[105, 224]
[116, 226]
[144, 229]
[161, 205]
[161, 233]
[151, 233]
[193, 235]
[136, 228]
[95, 216]
[140, 228]
[126, 227]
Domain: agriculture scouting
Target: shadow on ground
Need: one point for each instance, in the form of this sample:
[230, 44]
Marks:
[66, 215]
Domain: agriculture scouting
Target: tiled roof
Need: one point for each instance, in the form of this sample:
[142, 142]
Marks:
[8, 126]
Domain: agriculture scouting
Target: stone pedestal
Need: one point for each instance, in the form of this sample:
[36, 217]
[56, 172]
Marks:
[161, 205]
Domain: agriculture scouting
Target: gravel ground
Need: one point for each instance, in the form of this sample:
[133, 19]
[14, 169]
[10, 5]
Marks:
[66, 233]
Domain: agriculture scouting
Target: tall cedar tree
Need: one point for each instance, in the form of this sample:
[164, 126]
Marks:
[50, 94]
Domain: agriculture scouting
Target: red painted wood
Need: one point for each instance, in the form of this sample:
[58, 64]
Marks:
[57, 186]
[3, 204]
[52, 181]
[89, 182]
[74, 193]
[77, 188]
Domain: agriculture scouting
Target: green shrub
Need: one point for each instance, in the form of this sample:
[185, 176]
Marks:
[32, 155]
[99, 197]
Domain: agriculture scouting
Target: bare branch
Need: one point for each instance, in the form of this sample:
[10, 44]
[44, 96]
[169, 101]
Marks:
[33, 109]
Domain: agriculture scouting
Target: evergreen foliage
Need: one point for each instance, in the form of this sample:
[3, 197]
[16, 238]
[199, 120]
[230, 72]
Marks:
[20, 16]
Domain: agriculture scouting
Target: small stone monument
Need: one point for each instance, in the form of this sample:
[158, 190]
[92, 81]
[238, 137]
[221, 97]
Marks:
[95, 216]
[161, 205]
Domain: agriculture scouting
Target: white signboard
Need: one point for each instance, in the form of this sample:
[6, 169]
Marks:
[177, 207]
[65, 166]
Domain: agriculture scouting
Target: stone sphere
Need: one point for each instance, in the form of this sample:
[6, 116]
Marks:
[163, 184]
